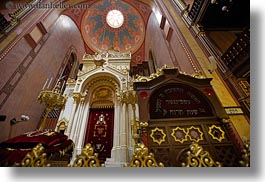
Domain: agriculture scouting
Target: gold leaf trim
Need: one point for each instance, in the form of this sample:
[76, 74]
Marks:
[154, 139]
[195, 128]
[174, 136]
[222, 137]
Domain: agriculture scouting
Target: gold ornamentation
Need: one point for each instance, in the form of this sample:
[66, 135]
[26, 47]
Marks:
[102, 97]
[53, 99]
[197, 157]
[192, 138]
[102, 93]
[225, 121]
[141, 158]
[101, 127]
[143, 124]
[76, 96]
[178, 129]
[128, 97]
[87, 158]
[71, 81]
[38, 133]
[99, 61]
[245, 162]
[217, 133]
[105, 56]
[62, 124]
[159, 140]
[36, 158]
[152, 76]
[198, 75]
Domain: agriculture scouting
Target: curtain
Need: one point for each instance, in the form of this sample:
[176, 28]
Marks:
[99, 132]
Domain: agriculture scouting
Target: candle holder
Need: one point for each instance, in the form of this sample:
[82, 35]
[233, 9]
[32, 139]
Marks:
[53, 99]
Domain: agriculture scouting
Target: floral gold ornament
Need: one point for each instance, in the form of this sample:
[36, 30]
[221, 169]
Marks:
[87, 158]
[195, 134]
[36, 158]
[159, 72]
[179, 135]
[158, 135]
[197, 157]
[216, 133]
[141, 158]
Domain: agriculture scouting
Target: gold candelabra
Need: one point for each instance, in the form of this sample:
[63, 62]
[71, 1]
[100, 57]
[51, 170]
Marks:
[53, 99]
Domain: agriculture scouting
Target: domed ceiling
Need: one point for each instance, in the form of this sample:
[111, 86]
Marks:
[113, 24]
[127, 33]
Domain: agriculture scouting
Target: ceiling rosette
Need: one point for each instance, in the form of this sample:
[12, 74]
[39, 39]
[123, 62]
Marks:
[113, 24]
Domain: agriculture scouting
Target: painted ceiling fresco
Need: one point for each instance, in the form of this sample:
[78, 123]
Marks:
[100, 36]
[137, 8]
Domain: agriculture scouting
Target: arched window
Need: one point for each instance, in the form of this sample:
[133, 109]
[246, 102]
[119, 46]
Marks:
[151, 63]
[71, 69]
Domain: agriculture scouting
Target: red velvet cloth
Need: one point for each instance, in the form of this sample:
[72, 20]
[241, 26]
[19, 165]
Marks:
[15, 149]
[100, 133]
[31, 139]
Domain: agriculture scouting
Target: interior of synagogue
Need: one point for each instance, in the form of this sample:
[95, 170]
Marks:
[125, 83]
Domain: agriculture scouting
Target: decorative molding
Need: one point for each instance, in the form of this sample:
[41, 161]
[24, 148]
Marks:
[63, 120]
[159, 140]
[216, 133]
[178, 129]
[21, 69]
[200, 134]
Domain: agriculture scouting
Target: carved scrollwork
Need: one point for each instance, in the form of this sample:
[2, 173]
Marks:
[87, 158]
[36, 158]
[152, 76]
[141, 158]
[197, 157]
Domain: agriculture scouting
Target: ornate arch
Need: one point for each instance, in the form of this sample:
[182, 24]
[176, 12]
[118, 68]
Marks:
[62, 124]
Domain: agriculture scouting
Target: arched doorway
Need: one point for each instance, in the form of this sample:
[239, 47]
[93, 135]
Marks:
[95, 111]
[99, 131]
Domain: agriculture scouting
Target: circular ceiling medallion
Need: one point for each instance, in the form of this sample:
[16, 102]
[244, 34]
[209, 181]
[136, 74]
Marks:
[109, 24]
[115, 18]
